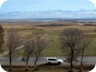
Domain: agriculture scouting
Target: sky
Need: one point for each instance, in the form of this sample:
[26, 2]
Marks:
[46, 5]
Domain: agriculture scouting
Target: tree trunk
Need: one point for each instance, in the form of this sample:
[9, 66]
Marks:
[71, 65]
[10, 60]
[71, 62]
[35, 63]
[27, 63]
[81, 66]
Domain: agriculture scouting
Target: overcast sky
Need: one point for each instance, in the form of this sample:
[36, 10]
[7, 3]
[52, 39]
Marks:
[46, 5]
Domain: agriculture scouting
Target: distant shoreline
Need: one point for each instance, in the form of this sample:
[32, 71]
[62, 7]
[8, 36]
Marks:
[48, 20]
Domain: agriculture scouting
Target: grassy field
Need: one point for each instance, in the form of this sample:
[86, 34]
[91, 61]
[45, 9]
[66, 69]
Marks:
[29, 30]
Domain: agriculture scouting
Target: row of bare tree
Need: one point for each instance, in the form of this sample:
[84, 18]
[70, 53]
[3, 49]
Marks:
[73, 41]
[32, 48]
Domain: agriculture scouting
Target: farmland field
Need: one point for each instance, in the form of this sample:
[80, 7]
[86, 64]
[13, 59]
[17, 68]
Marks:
[50, 32]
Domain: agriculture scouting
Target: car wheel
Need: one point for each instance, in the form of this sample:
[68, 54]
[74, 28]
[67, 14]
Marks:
[59, 63]
[49, 62]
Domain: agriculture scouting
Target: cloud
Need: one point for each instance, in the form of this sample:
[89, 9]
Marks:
[94, 2]
[1, 2]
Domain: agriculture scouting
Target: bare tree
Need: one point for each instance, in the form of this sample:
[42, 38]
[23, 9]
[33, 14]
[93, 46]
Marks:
[40, 45]
[85, 43]
[71, 40]
[34, 48]
[1, 38]
[29, 50]
[13, 41]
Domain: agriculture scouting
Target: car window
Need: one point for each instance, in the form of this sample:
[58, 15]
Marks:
[51, 59]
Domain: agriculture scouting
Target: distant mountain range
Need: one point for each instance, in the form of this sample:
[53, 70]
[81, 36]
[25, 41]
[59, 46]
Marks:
[86, 14]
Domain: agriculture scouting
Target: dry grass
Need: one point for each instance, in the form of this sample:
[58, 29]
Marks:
[49, 68]
[29, 30]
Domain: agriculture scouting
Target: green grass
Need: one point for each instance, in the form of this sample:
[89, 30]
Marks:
[54, 48]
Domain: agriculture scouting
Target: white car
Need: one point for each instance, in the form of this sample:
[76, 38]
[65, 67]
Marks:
[54, 60]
